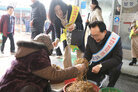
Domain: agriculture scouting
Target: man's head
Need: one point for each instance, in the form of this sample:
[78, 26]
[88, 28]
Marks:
[10, 10]
[98, 30]
[33, 1]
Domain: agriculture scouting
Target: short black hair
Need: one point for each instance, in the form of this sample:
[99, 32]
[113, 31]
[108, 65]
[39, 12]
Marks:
[100, 24]
[10, 7]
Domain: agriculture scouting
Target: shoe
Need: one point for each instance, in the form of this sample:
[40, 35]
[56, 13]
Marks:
[102, 80]
[12, 51]
[134, 61]
[2, 52]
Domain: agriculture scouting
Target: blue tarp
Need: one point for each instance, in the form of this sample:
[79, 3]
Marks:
[83, 4]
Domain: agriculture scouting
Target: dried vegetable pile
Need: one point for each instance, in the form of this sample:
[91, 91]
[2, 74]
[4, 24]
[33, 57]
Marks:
[79, 85]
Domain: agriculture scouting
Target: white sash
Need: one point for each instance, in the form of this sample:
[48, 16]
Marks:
[109, 45]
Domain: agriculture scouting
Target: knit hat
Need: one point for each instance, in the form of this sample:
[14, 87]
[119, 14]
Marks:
[41, 41]
[44, 39]
[94, 2]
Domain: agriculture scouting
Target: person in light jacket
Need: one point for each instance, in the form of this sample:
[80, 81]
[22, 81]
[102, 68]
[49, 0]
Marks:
[95, 15]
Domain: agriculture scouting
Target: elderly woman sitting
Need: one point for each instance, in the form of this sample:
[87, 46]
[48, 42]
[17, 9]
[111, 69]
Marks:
[31, 71]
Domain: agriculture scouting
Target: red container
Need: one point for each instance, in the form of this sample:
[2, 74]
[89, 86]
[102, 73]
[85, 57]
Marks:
[69, 80]
[96, 88]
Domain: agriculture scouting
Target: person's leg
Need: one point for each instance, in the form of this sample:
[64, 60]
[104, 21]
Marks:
[114, 75]
[79, 54]
[12, 48]
[134, 50]
[67, 57]
[29, 88]
[34, 33]
[3, 43]
[53, 35]
[26, 28]
[58, 52]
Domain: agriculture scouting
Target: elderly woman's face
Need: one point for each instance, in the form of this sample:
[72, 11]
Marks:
[58, 11]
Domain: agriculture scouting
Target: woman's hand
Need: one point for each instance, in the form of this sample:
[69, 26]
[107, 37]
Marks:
[31, 23]
[71, 27]
[55, 43]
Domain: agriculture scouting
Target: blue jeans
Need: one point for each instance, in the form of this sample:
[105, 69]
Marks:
[4, 39]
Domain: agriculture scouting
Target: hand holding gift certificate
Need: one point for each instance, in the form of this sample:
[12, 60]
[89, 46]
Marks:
[70, 26]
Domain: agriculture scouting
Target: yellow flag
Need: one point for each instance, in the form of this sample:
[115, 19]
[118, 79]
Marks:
[73, 17]
[63, 37]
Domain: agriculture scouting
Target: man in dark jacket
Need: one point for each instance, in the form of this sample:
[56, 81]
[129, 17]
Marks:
[104, 52]
[38, 17]
[7, 24]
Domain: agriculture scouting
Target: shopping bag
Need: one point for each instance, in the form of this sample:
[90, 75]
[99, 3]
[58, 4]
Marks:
[77, 37]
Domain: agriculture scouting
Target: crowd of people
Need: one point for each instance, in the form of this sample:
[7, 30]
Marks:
[32, 71]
